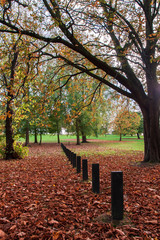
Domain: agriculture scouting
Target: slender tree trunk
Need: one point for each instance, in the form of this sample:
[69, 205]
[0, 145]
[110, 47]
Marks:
[27, 134]
[58, 137]
[35, 135]
[120, 137]
[40, 142]
[77, 131]
[58, 133]
[138, 136]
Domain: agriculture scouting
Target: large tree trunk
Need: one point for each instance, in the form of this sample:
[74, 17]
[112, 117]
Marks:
[10, 153]
[151, 112]
[151, 133]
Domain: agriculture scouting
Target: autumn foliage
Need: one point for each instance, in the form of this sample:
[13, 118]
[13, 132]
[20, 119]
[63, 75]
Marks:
[126, 122]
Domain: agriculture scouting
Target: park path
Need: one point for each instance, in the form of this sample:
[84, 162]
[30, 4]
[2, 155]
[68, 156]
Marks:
[42, 197]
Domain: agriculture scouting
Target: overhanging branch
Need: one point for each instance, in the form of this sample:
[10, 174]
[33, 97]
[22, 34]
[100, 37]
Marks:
[101, 79]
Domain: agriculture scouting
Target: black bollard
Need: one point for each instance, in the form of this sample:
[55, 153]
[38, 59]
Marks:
[78, 164]
[95, 178]
[85, 169]
[74, 160]
[117, 195]
[67, 153]
[72, 157]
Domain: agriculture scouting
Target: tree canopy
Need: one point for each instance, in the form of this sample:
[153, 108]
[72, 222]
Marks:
[115, 42]
[126, 122]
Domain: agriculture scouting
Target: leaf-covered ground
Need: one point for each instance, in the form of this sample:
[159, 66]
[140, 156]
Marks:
[42, 197]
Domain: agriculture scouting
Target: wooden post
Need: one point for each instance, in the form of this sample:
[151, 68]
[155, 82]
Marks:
[72, 157]
[85, 169]
[95, 178]
[78, 164]
[117, 195]
[74, 160]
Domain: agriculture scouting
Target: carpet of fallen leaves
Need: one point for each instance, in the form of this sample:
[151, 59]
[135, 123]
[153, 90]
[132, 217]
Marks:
[42, 197]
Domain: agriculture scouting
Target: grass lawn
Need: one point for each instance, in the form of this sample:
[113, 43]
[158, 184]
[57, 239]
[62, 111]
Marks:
[105, 148]
[110, 143]
[53, 138]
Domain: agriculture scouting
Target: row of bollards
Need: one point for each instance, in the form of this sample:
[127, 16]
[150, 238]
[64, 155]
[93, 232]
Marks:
[116, 181]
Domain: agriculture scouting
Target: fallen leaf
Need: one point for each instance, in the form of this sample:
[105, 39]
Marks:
[152, 222]
[2, 235]
[52, 222]
[13, 227]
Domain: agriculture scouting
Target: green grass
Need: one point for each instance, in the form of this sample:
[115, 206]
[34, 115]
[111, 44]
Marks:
[135, 145]
[111, 148]
[48, 138]
[53, 138]
[111, 137]
[127, 145]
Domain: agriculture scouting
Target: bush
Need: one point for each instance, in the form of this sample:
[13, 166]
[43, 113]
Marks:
[2, 147]
[19, 149]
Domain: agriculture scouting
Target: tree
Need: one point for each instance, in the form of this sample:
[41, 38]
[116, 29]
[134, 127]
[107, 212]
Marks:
[37, 107]
[15, 70]
[126, 122]
[56, 117]
[84, 106]
[75, 104]
[115, 42]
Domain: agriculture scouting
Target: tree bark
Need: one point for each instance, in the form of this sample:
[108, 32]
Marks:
[58, 137]
[58, 132]
[138, 136]
[120, 137]
[77, 131]
[151, 133]
[27, 134]
[35, 135]
[40, 142]
[10, 153]
[84, 138]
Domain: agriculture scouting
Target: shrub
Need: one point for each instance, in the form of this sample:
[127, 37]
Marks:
[2, 147]
[19, 149]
